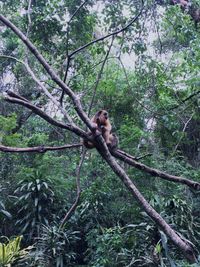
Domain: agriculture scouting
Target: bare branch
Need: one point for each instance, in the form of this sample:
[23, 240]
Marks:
[29, 17]
[184, 128]
[108, 35]
[43, 88]
[68, 58]
[131, 157]
[143, 156]
[154, 172]
[99, 142]
[14, 95]
[50, 71]
[77, 10]
[14, 98]
[154, 114]
[75, 204]
[39, 149]
[184, 246]
[185, 100]
[99, 76]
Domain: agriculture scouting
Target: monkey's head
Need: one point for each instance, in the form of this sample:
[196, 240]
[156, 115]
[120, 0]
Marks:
[102, 117]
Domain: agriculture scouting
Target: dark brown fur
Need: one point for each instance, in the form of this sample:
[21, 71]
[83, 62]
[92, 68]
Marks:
[114, 141]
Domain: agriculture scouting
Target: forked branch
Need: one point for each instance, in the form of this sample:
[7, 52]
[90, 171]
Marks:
[100, 144]
[17, 99]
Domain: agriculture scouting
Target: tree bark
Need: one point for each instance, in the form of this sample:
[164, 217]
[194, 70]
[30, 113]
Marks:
[175, 238]
[99, 142]
[155, 172]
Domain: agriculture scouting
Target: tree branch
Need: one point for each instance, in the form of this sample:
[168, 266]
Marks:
[68, 58]
[42, 87]
[39, 149]
[183, 245]
[183, 131]
[154, 172]
[131, 157]
[51, 72]
[100, 144]
[14, 98]
[109, 34]
[99, 76]
[154, 114]
[185, 100]
[77, 10]
[74, 206]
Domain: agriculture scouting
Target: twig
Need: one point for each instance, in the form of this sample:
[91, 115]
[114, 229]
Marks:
[143, 156]
[75, 204]
[184, 100]
[29, 17]
[108, 35]
[99, 76]
[184, 128]
[68, 57]
[131, 157]
[76, 11]
[129, 86]
[157, 30]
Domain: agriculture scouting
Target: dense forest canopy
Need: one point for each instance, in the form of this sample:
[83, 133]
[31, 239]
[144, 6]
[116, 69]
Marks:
[134, 203]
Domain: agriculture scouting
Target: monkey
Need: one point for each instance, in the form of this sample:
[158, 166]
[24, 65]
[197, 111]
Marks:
[87, 143]
[102, 124]
[114, 141]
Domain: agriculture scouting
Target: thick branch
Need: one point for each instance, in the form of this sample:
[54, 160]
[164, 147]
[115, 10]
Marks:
[99, 143]
[14, 98]
[39, 149]
[154, 172]
[50, 71]
[43, 88]
[183, 245]
[193, 11]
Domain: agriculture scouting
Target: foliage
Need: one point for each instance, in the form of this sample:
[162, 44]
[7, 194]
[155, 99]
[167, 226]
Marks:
[150, 85]
[7, 125]
[35, 199]
[54, 248]
[10, 251]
